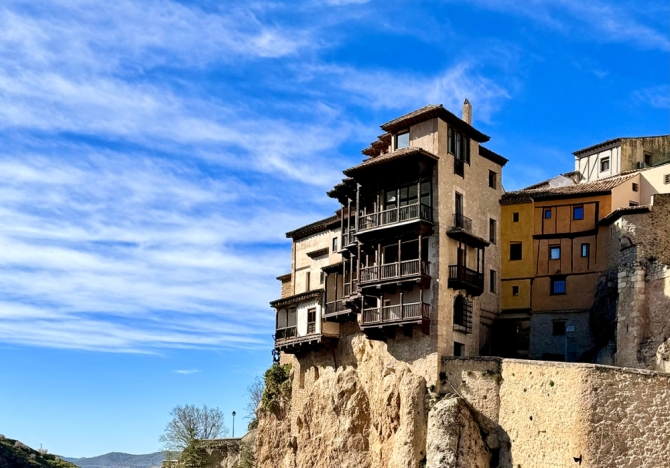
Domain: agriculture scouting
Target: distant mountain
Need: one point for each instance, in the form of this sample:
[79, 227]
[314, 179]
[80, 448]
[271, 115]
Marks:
[119, 460]
[14, 454]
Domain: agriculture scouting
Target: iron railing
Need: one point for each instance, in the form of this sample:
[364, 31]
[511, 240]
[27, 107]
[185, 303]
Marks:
[394, 270]
[395, 215]
[462, 223]
[396, 313]
[465, 276]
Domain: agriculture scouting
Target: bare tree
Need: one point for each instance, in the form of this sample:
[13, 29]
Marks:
[254, 396]
[189, 424]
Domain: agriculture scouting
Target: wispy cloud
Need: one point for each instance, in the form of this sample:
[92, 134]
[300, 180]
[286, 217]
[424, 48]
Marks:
[655, 96]
[186, 371]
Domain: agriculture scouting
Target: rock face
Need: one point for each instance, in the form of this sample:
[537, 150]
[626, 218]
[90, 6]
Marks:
[368, 413]
[663, 357]
[454, 439]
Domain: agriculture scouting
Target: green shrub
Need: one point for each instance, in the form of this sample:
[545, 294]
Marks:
[277, 387]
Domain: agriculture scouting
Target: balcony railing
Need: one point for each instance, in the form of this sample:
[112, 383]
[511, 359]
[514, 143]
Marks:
[284, 334]
[396, 313]
[335, 307]
[463, 223]
[395, 216]
[349, 287]
[348, 238]
[461, 277]
[311, 328]
[395, 270]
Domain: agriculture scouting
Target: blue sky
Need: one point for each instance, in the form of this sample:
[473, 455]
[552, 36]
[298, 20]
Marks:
[153, 154]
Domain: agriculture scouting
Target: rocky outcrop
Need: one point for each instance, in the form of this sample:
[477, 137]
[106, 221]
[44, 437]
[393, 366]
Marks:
[369, 414]
[454, 438]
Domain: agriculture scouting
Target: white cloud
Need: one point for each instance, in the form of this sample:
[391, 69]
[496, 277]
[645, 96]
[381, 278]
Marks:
[655, 96]
[186, 371]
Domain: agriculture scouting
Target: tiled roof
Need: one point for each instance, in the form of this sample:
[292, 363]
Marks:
[490, 155]
[612, 142]
[626, 210]
[393, 155]
[283, 278]
[599, 186]
[432, 111]
[318, 226]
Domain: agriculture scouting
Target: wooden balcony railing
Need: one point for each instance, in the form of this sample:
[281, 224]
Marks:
[395, 216]
[394, 270]
[396, 313]
[461, 277]
[349, 238]
[349, 287]
[335, 307]
[284, 334]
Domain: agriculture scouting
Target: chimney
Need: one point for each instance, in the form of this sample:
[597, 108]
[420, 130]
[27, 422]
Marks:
[467, 112]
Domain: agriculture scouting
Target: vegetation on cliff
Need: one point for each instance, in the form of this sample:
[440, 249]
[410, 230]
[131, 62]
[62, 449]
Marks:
[277, 387]
[14, 454]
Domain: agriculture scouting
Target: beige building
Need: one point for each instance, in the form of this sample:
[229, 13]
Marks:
[411, 257]
[619, 155]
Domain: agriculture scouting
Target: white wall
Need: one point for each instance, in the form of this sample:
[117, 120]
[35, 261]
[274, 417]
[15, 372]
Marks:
[589, 166]
[652, 182]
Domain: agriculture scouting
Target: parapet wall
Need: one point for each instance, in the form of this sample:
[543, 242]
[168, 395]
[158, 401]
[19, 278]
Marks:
[546, 414]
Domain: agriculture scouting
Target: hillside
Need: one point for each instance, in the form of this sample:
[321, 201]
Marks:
[14, 454]
[120, 460]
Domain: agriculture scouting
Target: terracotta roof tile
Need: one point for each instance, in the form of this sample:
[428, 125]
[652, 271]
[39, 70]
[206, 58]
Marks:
[626, 210]
[397, 154]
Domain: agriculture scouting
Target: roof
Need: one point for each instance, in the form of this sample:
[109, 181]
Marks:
[611, 143]
[283, 278]
[393, 155]
[429, 112]
[318, 253]
[284, 301]
[318, 226]
[569, 175]
[626, 210]
[490, 155]
[589, 188]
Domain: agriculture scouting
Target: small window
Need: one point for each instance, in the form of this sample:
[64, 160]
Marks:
[308, 276]
[493, 177]
[633, 203]
[636, 187]
[547, 214]
[515, 217]
[554, 253]
[311, 316]
[578, 212]
[459, 349]
[515, 290]
[493, 280]
[605, 164]
[558, 328]
[666, 179]
[585, 250]
[558, 286]
[322, 277]
[515, 251]
[334, 244]
[493, 229]
[647, 159]
[402, 140]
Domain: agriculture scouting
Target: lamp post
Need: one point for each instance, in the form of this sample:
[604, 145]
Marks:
[234, 413]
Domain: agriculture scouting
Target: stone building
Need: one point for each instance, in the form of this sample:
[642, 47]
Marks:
[411, 257]
[620, 155]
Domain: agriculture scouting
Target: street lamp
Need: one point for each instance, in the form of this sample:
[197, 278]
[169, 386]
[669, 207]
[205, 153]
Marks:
[234, 413]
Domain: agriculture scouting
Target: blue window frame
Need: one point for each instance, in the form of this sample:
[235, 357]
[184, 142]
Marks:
[558, 286]
[578, 212]
[547, 214]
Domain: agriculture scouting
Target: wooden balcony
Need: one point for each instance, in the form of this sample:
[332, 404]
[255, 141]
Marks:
[339, 311]
[288, 340]
[461, 277]
[395, 216]
[413, 313]
[409, 269]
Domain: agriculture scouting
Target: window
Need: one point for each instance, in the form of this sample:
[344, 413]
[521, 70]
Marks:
[547, 214]
[585, 250]
[515, 217]
[462, 314]
[554, 253]
[558, 327]
[493, 179]
[557, 286]
[493, 281]
[647, 159]
[458, 200]
[402, 140]
[633, 203]
[636, 187]
[515, 251]
[458, 145]
[605, 164]
[578, 212]
[307, 280]
[334, 244]
[322, 277]
[493, 229]
[666, 179]
[459, 349]
[515, 290]
[311, 321]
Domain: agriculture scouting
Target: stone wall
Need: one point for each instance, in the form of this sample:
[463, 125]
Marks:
[549, 414]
